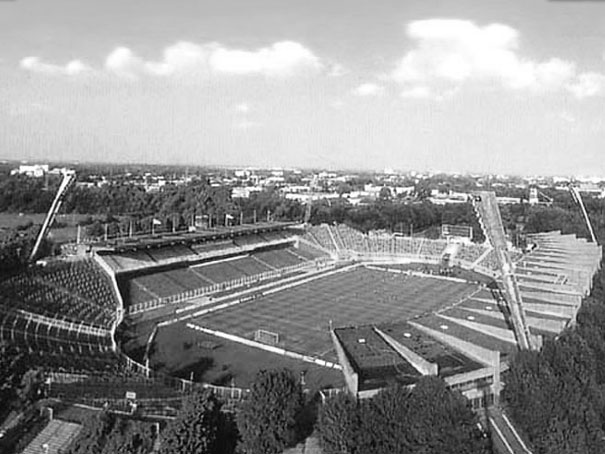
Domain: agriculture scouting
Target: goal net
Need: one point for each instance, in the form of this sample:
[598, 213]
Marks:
[266, 337]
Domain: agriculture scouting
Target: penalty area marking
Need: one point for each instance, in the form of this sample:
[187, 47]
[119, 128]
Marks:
[268, 348]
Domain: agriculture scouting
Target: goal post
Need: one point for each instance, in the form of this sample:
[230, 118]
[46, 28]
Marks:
[266, 337]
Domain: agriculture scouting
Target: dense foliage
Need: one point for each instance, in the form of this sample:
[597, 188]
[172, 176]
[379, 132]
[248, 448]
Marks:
[200, 428]
[128, 207]
[16, 246]
[557, 395]
[106, 433]
[268, 420]
[428, 418]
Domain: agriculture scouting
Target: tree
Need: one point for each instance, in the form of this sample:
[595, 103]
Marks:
[554, 396]
[268, 419]
[428, 418]
[442, 421]
[338, 425]
[106, 433]
[200, 428]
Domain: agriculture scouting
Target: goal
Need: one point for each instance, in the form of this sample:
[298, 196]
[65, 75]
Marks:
[266, 337]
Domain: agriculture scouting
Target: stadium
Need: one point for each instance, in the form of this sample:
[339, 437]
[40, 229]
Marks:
[147, 319]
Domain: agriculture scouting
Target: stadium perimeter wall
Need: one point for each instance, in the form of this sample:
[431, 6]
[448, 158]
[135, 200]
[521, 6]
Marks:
[120, 309]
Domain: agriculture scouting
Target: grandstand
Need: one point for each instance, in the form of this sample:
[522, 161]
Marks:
[151, 277]
[60, 312]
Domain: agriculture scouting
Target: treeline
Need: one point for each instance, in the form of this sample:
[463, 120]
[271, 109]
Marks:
[16, 246]
[120, 208]
[428, 418]
[557, 395]
[125, 206]
[277, 415]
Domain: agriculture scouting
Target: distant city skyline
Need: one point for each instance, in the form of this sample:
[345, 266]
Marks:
[496, 87]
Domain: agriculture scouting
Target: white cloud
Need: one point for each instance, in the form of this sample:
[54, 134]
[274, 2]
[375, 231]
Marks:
[337, 70]
[242, 108]
[72, 68]
[281, 59]
[182, 57]
[123, 62]
[368, 89]
[588, 84]
[454, 51]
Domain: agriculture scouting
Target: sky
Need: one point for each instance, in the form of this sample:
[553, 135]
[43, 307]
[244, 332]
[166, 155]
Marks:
[491, 86]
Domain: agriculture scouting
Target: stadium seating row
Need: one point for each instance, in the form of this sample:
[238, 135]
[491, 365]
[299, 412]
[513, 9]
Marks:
[167, 283]
[76, 291]
[144, 258]
[30, 334]
[341, 237]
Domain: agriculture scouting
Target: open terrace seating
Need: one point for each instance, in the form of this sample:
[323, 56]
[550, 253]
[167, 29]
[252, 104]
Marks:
[31, 335]
[159, 284]
[170, 253]
[490, 261]
[83, 278]
[248, 240]
[406, 245]
[352, 239]
[470, 252]
[29, 292]
[219, 272]
[309, 252]
[203, 248]
[186, 278]
[249, 266]
[273, 236]
[433, 248]
[321, 235]
[278, 258]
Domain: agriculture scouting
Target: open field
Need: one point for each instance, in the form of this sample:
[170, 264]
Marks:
[301, 315]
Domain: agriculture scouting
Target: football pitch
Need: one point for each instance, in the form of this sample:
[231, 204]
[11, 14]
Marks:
[301, 315]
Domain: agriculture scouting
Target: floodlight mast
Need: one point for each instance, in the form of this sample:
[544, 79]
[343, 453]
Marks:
[486, 207]
[575, 194]
[69, 177]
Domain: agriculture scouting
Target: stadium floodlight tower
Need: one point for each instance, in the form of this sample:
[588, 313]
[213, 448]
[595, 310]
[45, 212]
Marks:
[575, 193]
[486, 207]
[69, 177]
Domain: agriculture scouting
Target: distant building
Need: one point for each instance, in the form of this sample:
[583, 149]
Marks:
[35, 171]
[508, 200]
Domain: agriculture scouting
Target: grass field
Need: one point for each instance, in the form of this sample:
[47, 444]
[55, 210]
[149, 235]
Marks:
[301, 315]
[181, 352]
